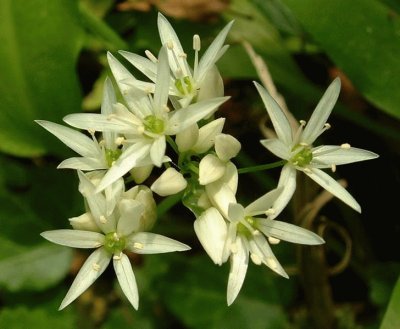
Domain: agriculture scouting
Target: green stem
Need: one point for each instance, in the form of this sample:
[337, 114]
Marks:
[172, 143]
[261, 167]
[168, 203]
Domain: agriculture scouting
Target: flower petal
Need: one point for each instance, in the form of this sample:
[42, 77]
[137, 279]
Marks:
[120, 73]
[263, 203]
[107, 104]
[235, 212]
[238, 269]
[211, 230]
[277, 116]
[332, 186]
[170, 182]
[327, 155]
[321, 113]
[162, 82]
[126, 278]
[143, 64]
[226, 146]
[131, 211]
[221, 196]
[75, 238]
[207, 135]
[210, 169]
[84, 164]
[93, 267]
[151, 243]
[157, 150]
[187, 138]
[288, 232]
[277, 147]
[99, 122]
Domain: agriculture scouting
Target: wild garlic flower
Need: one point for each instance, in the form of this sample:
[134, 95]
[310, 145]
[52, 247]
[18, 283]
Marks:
[119, 232]
[200, 82]
[145, 124]
[296, 148]
[228, 230]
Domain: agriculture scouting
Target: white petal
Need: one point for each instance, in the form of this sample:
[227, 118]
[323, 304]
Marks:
[75, 238]
[143, 64]
[126, 279]
[287, 181]
[288, 232]
[277, 116]
[207, 135]
[226, 146]
[99, 122]
[184, 118]
[237, 273]
[277, 147]
[80, 143]
[236, 212]
[128, 159]
[151, 243]
[131, 212]
[170, 182]
[211, 85]
[84, 164]
[162, 82]
[107, 103]
[321, 113]
[84, 222]
[120, 73]
[211, 230]
[231, 177]
[221, 196]
[157, 150]
[140, 174]
[187, 138]
[210, 169]
[326, 155]
[263, 203]
[93, 267]
[332, 186]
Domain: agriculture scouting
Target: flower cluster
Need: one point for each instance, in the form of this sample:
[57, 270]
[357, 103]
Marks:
[168, 123]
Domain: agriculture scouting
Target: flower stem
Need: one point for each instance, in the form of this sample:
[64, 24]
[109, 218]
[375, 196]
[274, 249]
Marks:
[261, 167]
[172, 143]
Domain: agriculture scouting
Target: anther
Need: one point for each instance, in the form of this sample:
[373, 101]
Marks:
[345, 146]
[170, 45]
[138, 245]
[119, 140]
[148, 90]
[303, 144]
[303, 122]
[103, 220]
[273, 240]
[333, 167]
[96, 267]
[256, 259]
[182, 55]
[91, 131]
[270, 211]
[327, 125]
[256, 232]
[166, 109]
[196, 42]
[115, 236]
[150, 56]
[117, 257]
[307, 170]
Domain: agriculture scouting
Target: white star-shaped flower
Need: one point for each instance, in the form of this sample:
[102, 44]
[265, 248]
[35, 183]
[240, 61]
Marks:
[296, 148]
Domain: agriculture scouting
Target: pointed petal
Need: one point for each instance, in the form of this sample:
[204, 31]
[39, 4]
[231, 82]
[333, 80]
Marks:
[277, 116]
[75, 140]
[321, 113]
[288, 232]
[162, 82]
[211, 230]
[237, 273]
[210, 169]
[85, 164]
[263, 203]
[235, 212]
[231, 177]
[151, 243]
[120, 73]
[220, 196]
[99, 122]
[93, 267]
[327, 155]
[207, 135]
[107, 103]
[277, 147]
[143, 64]
[131, 212]
[287, 181]
[332, 186]
[184, 118]
[74, 238]
[212, 53]
[128, 159]
[157, 150]
[126, 279]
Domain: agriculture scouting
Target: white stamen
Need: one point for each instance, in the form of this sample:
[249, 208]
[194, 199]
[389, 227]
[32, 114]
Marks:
[119, 140]
[196, 42]
[256, 232]
[327, 126]
[333, 167]
[115, 236]
[117, 257]
[182, 55]
[179, 73]
[345, 146]
[148, 90]
[303, 122]
[102, 142]
[103, 219]
[91, 131]
[273, 240]
[166, 109]
[270, 211]
[304, 144]
[138, 245]
[151, 56]
[170, 45]
[307, 170]
[96, 267]
[256, 259]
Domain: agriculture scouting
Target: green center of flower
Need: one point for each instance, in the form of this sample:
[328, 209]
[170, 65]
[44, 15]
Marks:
[243, 229]
[112, 156]
[113, 243]
[303, 157]
[154, 124]
[184, 85]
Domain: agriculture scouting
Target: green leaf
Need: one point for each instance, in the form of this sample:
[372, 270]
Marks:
[40, 42]
[391, 319]
[38, 318]
[362, 37]
[33, 268]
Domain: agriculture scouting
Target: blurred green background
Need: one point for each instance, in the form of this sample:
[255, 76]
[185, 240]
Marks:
[53, 62]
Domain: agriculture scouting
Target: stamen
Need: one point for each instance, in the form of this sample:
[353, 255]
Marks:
[96, 267]
[196, 42]
[166, 109]
[299, 131]
[273, 240]
[345, 146]
[333, 167]
[256, 259]
[91, 131]
[303, 144]
[303, 122]
[102, 142]
[103, 219]
[138, 245]
[196, 47]
[170, 44]
[182, 55]
[116, 237]
[307, 170]
[270, 211]
[327, 126]
[117, 257]
[119, 140]
[256, 232]
[148, 90]
[151, 56]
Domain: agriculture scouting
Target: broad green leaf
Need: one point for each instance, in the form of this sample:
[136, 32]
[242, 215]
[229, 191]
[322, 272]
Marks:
[33, 268]
[362, 37]
[391, 319]
[22, 317]
[40, 41]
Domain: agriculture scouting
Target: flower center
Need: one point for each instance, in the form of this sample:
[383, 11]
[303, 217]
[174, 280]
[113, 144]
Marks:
[114, 243]
[303, 157]
[154, 124]
[244, 229]
[184, 85]
[112, 156]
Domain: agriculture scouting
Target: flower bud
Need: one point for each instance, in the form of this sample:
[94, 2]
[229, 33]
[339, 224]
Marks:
[170, 182]
[140, 174]
[210, 169]
[187, 138]
[226, 146]
[207, 135]
[84, 222]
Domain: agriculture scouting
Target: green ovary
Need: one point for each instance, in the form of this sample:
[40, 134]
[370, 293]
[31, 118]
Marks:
[242, 229]
[302, 158]
[154, 124]
[184, 85]
[114, 243]
[112, 156]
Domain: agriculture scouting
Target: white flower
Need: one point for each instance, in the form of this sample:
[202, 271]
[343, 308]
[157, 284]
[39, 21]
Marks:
[119, 232]
[146, 124]
[245, 234]
[170, 182]
[201, 82]
[296, 148]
